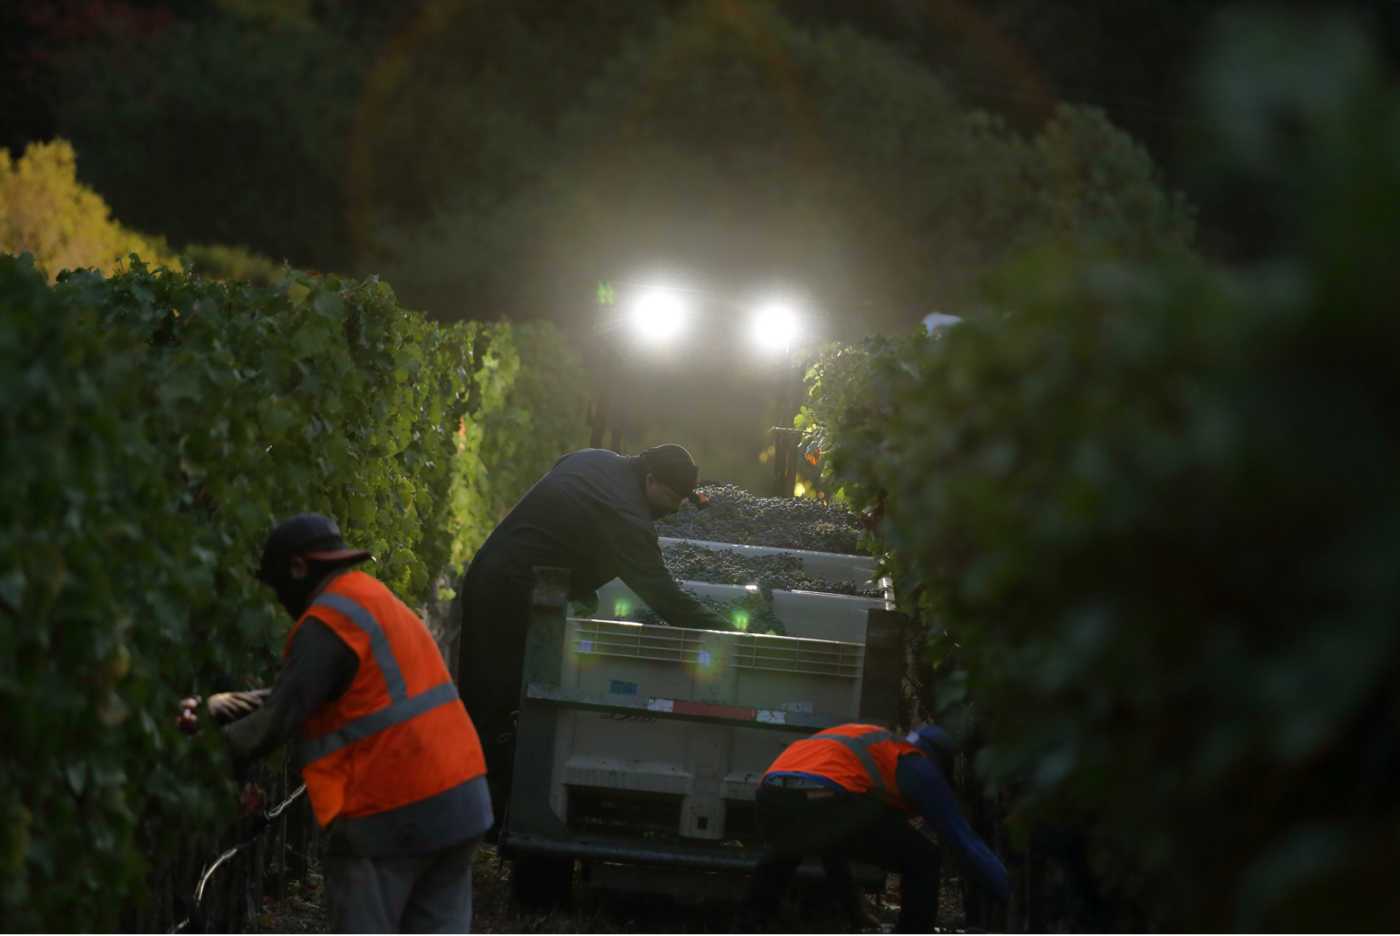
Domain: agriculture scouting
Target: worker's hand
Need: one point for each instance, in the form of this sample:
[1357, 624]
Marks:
[228, 707]
[188, 719]
[586, 607]
[252, 800]
[870, 519]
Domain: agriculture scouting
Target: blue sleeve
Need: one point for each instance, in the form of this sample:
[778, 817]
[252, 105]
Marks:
[922, 784]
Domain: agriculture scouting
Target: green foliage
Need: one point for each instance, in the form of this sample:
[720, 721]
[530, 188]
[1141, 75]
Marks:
[45, 211]
[1089, 182]
[156, 425]
[1149, 512]
[533, 402]
[230, 263]
[475, 507]
[849, 402]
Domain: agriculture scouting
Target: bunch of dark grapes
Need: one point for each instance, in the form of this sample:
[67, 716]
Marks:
[728, 567]
[736, 516]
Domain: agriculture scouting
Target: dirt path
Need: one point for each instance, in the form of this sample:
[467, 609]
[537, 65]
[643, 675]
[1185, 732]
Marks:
[494, 912]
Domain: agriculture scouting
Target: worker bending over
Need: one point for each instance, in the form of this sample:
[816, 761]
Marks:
[593, 513]
[849, 793]
[390, 757]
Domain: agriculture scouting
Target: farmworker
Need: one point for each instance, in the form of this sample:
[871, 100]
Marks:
[391, 760]
[857, 792]
[593, 513]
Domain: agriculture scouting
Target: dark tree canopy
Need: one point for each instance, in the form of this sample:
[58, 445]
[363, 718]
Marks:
[539, 148]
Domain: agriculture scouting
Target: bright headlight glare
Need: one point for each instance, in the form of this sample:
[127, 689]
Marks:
[658, 315]
[775, 327]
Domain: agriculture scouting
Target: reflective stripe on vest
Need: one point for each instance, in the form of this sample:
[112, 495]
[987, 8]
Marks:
[400, 709]
[859, 745]
[395, 714]
[378, 642]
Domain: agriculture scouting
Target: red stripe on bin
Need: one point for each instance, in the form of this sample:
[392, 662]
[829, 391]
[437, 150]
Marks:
[715, 711]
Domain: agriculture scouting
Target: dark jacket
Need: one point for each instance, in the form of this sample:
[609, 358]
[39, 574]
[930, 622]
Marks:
[590, 515]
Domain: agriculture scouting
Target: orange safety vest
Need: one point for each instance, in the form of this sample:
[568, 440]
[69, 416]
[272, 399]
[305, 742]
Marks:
[858, 758]
[399, 733]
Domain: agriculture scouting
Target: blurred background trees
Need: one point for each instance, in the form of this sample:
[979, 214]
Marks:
[499, 159]
[47, 212]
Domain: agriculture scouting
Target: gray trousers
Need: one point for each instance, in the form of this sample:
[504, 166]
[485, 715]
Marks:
[429, 893]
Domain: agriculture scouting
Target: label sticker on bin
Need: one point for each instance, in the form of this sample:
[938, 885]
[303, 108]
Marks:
[619, 687]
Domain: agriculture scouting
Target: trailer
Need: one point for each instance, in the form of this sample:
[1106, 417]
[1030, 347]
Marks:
[639, 747]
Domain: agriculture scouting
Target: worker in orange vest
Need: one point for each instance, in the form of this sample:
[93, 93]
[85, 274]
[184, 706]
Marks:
[391, 760]
[850, 793]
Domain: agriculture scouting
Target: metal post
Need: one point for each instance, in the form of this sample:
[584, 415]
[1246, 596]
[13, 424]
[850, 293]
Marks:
[882, 673]
[603, 418]
[529, 809]
[779, 468]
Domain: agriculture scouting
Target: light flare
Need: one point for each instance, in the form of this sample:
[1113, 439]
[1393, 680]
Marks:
[775, 327]
[658, 315]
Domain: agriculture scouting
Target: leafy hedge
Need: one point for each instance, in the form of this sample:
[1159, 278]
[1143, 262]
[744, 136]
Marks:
[534, 409]
[1150, 512]
[155, 426]
[229, 263]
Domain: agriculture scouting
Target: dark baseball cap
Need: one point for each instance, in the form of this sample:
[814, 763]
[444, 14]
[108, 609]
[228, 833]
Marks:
[932, 740]
[311, 535]
[672, 465]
